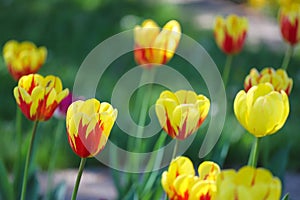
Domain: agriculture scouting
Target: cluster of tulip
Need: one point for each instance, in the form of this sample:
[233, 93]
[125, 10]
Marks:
[261, 108]
[88, 122]
[180, 182]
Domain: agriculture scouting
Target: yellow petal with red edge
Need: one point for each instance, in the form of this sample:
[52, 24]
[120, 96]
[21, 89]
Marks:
[208, 170]
[203, 190]
[25, 96]
[37, 97]
[182, 185]
[16, 95]
[51, 98]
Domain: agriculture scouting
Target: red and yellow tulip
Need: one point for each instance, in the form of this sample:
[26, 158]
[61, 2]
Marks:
[248, 183]
[23, 58]
[181, 113]
[180, 166]
[88, 126]
[261, 110]
[154, 46]
[39, 96]
[180, 182]
[230, 33]
[279, 79]
[289, 19]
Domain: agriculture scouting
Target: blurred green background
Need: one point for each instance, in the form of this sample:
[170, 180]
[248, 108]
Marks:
[71, 29]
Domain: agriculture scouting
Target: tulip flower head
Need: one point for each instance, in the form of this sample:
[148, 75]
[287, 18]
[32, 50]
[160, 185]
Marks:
[261, 110]
[39, 96]
[153, 46]
[178, 167]
[23, 58]
[181, 113]
[180, 182]
[247, 184]
[289, 19]
[230, 33]
[88, 126]
[279, 79]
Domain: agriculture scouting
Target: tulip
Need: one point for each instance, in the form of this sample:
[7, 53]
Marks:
[248, 183]
[230, 33]
[154, 47]
[289, 19]
[261, 110]
[279, 79]
[23, 58]
[181, 113]
[39, 96]
[178, 167]
[205, 186]
[88, 126]
[180, 182]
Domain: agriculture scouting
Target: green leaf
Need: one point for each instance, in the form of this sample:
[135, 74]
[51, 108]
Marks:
[59, 192]
[32, 192]
[6, 187]
[286, 196]
[154, 163]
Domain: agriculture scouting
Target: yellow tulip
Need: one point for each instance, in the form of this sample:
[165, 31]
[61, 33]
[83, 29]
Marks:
[181, 113]
[39, 96]
[247, 184]
[279, 79]
[262, 110]
[23, 58]
[230, 33]
[155, 47]
[88, 126]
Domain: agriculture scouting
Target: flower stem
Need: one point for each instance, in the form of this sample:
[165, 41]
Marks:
[254, 153]
[226, 70]
[80, 170]
[53, 157]
[143, 98]
[19, 147]
[287, 57]
[24, 185]
[175, 149]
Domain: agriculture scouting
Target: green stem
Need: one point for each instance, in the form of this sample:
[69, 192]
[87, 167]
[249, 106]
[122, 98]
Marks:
[19, 147]
[24, 185]
[175, 149]
[80, 170]
[226, 70]
[53, 157]
[145, 103]
[287, 57]
[254, 153]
